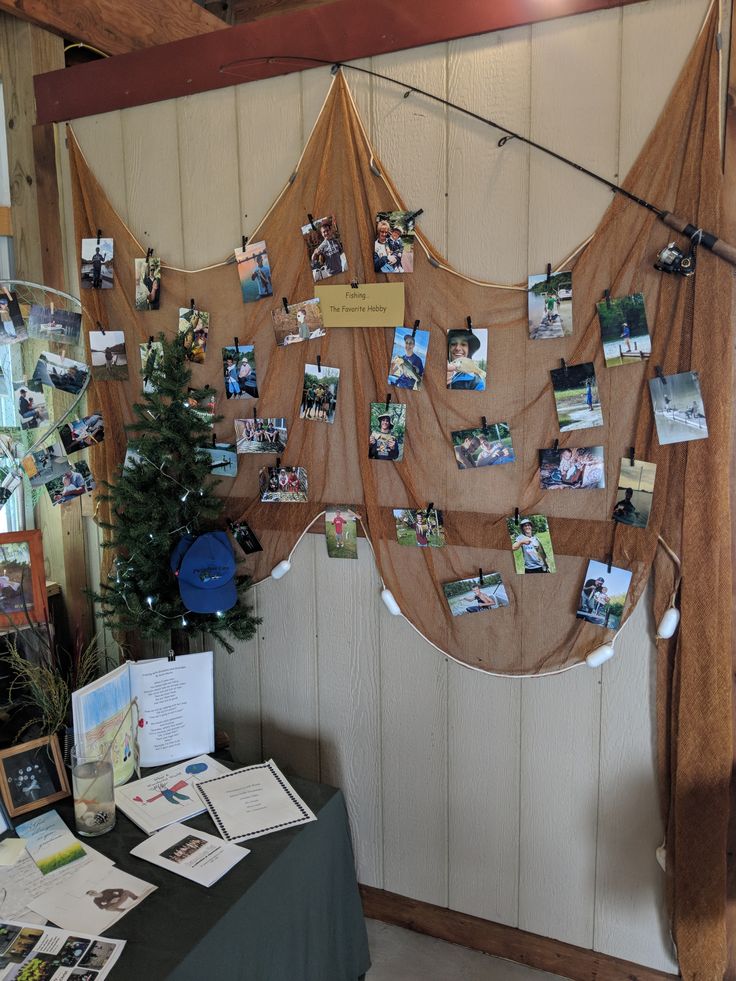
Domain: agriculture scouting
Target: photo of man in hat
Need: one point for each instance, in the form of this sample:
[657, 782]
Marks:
[386, 441]
[466, 359]
[531, 544]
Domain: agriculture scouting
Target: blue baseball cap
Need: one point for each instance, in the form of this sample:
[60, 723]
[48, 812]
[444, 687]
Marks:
[205, 569]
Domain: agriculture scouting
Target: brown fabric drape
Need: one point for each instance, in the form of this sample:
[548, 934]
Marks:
[679, 170]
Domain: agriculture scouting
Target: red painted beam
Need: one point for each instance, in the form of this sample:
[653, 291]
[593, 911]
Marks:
[340, 31]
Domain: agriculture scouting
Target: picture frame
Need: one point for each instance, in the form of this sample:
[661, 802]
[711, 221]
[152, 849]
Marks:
[22, 552]
[32, 775]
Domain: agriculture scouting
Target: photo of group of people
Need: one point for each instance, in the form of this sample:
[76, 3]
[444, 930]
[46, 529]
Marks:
[283, 485]
[30, 403]
[82, 433]
[635, 490]
[531, 544]
[50, 323]
[148, 283]
[324, 248]
[624, 330]
[61, 373]
[549, 301]
[319, 394]
[223, 459]
[408, 358]
[109, 357]
[75, 481]
[194, 327]
[579, 467]
[184, 849]
[603, 596]
[96, 266]
[393, 249]
[298, 322]
[254, 271]
[484, 446]
[576, 396]
[424, 528]
[678, 407]
[467, 359]
[260, 435]
[476, 595]
[341, 533]
[239, 369]
[387, 430]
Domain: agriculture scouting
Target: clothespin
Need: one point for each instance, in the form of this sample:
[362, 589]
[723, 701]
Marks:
[245, 242]
[310, 219]
[214, 441]
[516, 516]
[555, 445]
[237, 343]
[388, 399]
[610, 562]
[254, 414]
[430, 506]
[563, 364]
[150, 342]
[484, 424]
[191, 304]
[149, 253]
[278, 462]
[354, 284]
[660, 374]
[480, 577]
[549, 271]
[319, 365]
[469, 322]
[286, 304]
[99, 235]
[414, 328]
[100, 328]
[631, 456]
[172, 656]
[607, 297]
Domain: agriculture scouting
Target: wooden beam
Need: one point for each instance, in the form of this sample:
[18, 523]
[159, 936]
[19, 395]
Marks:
[340, 31]
[117, 28]
[245, 11]
[6, 221]
[541, 953]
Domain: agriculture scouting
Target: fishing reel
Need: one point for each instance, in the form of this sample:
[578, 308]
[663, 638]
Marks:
[671, 259]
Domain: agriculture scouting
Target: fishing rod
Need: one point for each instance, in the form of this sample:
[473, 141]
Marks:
[670, 259]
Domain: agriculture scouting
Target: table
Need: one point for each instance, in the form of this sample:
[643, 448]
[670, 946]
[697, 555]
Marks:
[290, 911]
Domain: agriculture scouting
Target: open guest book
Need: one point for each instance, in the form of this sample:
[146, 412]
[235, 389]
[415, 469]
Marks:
[253, 801]
[165, 707]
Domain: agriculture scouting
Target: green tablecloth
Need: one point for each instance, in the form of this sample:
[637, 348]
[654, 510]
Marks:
[290, 911]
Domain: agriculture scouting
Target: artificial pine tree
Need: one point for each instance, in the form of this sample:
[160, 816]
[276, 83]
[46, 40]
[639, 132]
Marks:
[163, 494]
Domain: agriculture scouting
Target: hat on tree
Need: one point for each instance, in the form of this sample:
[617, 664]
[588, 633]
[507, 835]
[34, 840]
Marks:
[205, 569]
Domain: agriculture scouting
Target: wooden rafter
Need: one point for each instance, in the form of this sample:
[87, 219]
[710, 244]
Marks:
[114, 27]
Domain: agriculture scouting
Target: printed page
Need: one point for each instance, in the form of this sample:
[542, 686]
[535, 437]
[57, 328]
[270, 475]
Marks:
[30, 951]
[92, 899]
[196, 855]
[176, 707]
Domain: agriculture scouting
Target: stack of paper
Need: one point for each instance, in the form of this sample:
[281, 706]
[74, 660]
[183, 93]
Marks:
[193, 854]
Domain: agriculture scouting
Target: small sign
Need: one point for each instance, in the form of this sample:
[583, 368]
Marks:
[370, 305]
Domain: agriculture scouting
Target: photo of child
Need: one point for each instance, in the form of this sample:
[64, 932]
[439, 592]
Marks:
[476, 595]
[603, 596]
[576, 397]
[549, 302]
[624, 330]
[483, 447]
[194, 327]
[254, 270]
[287, 485]
[393, 249]
[531, 544]
[319, 395]
[260, 435]
[239, 369]
[298, 322]
[467, 352]
[408, 358]
[572, 467]
[419, 528]
[387, 430]
[341, 533]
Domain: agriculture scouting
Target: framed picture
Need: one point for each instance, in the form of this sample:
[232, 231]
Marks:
[32, 775]
[22, 578]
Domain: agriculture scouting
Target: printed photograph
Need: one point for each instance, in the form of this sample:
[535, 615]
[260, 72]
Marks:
[260, 435]
[475, 595]
[483, 446]
[393, 249]
[341, 533]
[82, 433]
[678, 408]
[603, 596]
[298, 322]
[635, 490]
[424, 528]
[30, 403]
[152, 355]
[254, 271]
[239, 369]
[148, 283]
[184, 849]
[624, 330]
[408, 358]
[132, 460]
[203, 403]
[576, 467]
[11, 481]
[531, 544]
[46, 464]
[61, 373]
[109, 357]
[467, 358]
[96, 266]
[223, 459]
[576, 397]
[98, 955]
[319, 395]
[74, 482]
[194, 327]
[25, 940]
[283, 485]
[72, 951]
[387, 431]
[50, 324]
[549, 302]
[245, 537]
[16, 581]
[30, 774]
[324, 248]
[12, 325]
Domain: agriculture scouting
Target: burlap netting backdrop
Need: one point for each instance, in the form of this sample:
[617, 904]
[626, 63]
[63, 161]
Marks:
[679, 169]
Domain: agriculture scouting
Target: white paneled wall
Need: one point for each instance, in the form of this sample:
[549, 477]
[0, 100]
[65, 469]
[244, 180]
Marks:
[532, 803]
